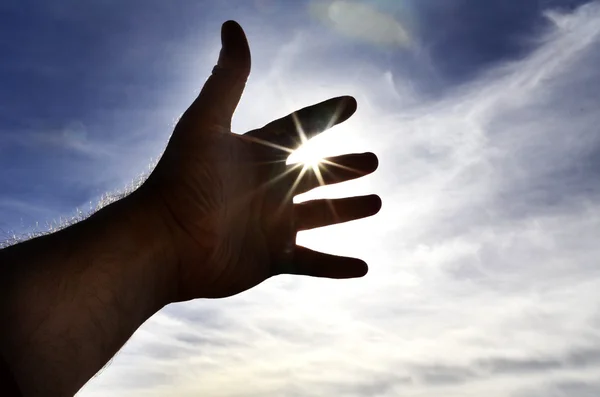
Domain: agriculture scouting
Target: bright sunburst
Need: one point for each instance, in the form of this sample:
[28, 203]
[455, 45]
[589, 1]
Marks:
[310, 159]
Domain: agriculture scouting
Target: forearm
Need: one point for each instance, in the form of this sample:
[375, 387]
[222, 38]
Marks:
[70, 300]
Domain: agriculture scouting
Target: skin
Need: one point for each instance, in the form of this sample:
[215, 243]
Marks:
[213, 219]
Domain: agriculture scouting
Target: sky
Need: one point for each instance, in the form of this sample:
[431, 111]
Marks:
[484, 260]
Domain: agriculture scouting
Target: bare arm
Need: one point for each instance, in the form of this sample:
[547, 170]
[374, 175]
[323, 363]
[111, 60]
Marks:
[71, 299]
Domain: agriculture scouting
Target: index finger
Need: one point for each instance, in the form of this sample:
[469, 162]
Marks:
[292, 130]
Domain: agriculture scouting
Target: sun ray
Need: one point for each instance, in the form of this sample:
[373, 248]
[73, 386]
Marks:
[299, 129]
[317, 170]
[267, 143]
[296, 183]
[328, 162]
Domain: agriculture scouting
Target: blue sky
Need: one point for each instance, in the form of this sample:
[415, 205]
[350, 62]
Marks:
[484, 259]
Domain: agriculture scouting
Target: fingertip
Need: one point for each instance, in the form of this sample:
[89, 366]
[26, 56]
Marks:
[230, 30]
[352, 268]
[231, 24]
[235, 52]
[350, 102]
[362, 270]
[348, 106]
[371, 161]
[375, 203]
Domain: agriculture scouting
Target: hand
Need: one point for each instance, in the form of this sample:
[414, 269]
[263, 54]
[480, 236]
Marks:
[226, 199]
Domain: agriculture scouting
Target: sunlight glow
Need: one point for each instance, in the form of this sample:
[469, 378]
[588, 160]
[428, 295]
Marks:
[312, 160]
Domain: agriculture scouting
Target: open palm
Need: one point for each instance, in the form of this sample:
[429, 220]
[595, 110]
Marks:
[226, 199]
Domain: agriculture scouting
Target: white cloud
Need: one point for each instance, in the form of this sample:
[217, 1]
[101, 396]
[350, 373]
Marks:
[484, 273]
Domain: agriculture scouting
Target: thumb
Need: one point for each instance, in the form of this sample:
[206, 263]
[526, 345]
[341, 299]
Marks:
[235, 53]
[223, 89]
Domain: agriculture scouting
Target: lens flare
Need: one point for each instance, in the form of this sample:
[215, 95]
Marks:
[362, 22]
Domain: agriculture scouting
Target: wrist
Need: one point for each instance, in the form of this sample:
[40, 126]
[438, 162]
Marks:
[145, 228]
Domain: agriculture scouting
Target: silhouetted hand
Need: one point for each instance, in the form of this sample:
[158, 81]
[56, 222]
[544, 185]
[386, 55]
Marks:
[226, 199]
[214, 218]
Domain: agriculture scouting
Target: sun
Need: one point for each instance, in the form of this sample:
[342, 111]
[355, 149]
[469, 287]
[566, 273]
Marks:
[310, 157]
